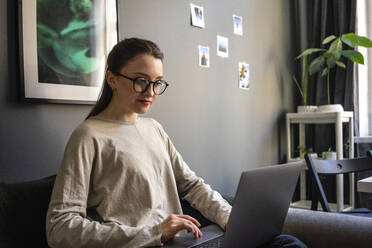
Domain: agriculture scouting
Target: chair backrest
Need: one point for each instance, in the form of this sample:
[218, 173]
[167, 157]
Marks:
[332, 167]
[23, 208]
[342, 166]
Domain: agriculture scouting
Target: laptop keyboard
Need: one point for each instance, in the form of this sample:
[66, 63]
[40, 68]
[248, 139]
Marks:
[214, 243]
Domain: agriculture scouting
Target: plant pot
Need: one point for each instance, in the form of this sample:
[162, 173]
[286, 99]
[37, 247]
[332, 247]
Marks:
[330, 108]
[329, 155]
[312, 155]
[306, 108]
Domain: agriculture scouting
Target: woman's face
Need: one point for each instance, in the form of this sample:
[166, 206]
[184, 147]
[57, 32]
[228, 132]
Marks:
[126, 100]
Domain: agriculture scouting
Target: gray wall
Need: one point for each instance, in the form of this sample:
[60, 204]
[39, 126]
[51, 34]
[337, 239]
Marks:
[219, 129]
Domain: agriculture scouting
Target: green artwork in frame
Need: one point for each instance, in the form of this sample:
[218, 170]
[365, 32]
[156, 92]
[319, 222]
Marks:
[64, 59]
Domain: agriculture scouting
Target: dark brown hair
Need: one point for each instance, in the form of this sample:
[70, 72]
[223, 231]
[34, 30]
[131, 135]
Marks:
[118, 57]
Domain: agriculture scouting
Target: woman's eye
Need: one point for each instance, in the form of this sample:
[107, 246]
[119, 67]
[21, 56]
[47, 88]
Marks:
[142, 81]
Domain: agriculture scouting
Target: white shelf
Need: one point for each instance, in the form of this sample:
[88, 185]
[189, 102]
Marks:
[337, 118]
[319, 117]
[365, 185]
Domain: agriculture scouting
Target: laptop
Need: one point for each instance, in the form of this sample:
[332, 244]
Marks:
[260, 207]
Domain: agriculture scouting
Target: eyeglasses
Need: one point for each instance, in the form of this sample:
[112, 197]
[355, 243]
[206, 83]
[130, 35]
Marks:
[140, 84]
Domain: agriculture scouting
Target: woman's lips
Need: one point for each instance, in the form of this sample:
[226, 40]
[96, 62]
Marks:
[145, 102]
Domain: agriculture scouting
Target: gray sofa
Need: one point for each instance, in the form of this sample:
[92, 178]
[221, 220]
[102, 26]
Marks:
[23, 207]
[321, 229]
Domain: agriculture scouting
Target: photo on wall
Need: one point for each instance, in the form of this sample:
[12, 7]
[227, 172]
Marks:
[203, 56]
[197, 16]
[244, 81]
[64, 60]
[238, 24]
[222, 46]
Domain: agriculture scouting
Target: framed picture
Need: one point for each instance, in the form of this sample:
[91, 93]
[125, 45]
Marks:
[197, 16]
[63, 48]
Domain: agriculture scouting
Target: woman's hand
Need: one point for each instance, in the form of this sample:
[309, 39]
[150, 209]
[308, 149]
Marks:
[175, 223]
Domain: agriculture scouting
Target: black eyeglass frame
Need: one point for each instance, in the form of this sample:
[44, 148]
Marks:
[147, 87]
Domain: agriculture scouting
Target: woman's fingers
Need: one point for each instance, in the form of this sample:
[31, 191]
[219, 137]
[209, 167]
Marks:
[190, 226]
[175, 223]
[197, 232]
[188, 217]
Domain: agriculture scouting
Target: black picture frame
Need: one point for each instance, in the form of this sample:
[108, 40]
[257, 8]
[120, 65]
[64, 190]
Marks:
[63, 50]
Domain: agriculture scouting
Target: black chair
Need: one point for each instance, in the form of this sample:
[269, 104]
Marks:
[334, 167]
[23, 208]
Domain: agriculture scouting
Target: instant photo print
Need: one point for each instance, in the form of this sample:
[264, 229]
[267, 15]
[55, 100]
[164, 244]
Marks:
[244, 82]
[203, 56]
[222, 46]
[197, 16]
[238, 24]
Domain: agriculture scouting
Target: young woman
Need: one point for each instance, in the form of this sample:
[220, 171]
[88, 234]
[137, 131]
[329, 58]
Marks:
[121, 177]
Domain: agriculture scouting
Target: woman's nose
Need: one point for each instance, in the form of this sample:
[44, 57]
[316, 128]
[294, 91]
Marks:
[150, 90]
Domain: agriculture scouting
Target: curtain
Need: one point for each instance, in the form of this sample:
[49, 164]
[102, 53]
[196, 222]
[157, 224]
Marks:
[364, 72]
[324, 18]
[363, 98]
[327, 17]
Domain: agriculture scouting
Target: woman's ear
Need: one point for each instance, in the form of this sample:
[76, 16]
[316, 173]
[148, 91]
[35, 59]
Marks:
[111, 79]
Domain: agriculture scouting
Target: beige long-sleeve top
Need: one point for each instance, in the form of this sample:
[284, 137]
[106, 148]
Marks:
[118, 182]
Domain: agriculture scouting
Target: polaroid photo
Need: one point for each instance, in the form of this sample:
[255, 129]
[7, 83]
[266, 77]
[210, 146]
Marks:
[197, 16]
[244, 82]
[222, 46]
[203, 56]
[238, 24]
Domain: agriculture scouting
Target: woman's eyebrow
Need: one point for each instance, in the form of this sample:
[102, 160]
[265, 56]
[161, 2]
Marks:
[145, 75]
[141, 73]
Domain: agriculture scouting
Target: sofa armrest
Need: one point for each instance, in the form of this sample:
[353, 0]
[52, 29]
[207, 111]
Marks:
[323, 229]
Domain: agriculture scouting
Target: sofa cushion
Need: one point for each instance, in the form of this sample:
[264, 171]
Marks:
[23, 208]
[327, 229]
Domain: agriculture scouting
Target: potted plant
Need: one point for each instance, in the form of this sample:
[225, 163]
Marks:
[331, 57]
[303, 86]
[329, 154]
[304, 150]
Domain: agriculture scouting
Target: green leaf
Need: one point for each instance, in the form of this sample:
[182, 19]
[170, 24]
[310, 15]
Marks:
[299, 87]
[328, 39]
[363, 41]
[328, 55]
[325, 72]
[350, 39]
[354, 40]
[330, 59]
[310, 51]
[331, 62]
[333, 46]
[340, 64]
[316, 65]
[354, 56]
[304, 68]
[336, 49]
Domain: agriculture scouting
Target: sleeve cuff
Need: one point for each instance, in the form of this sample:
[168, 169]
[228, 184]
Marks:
[158, 234]
[223, 219]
